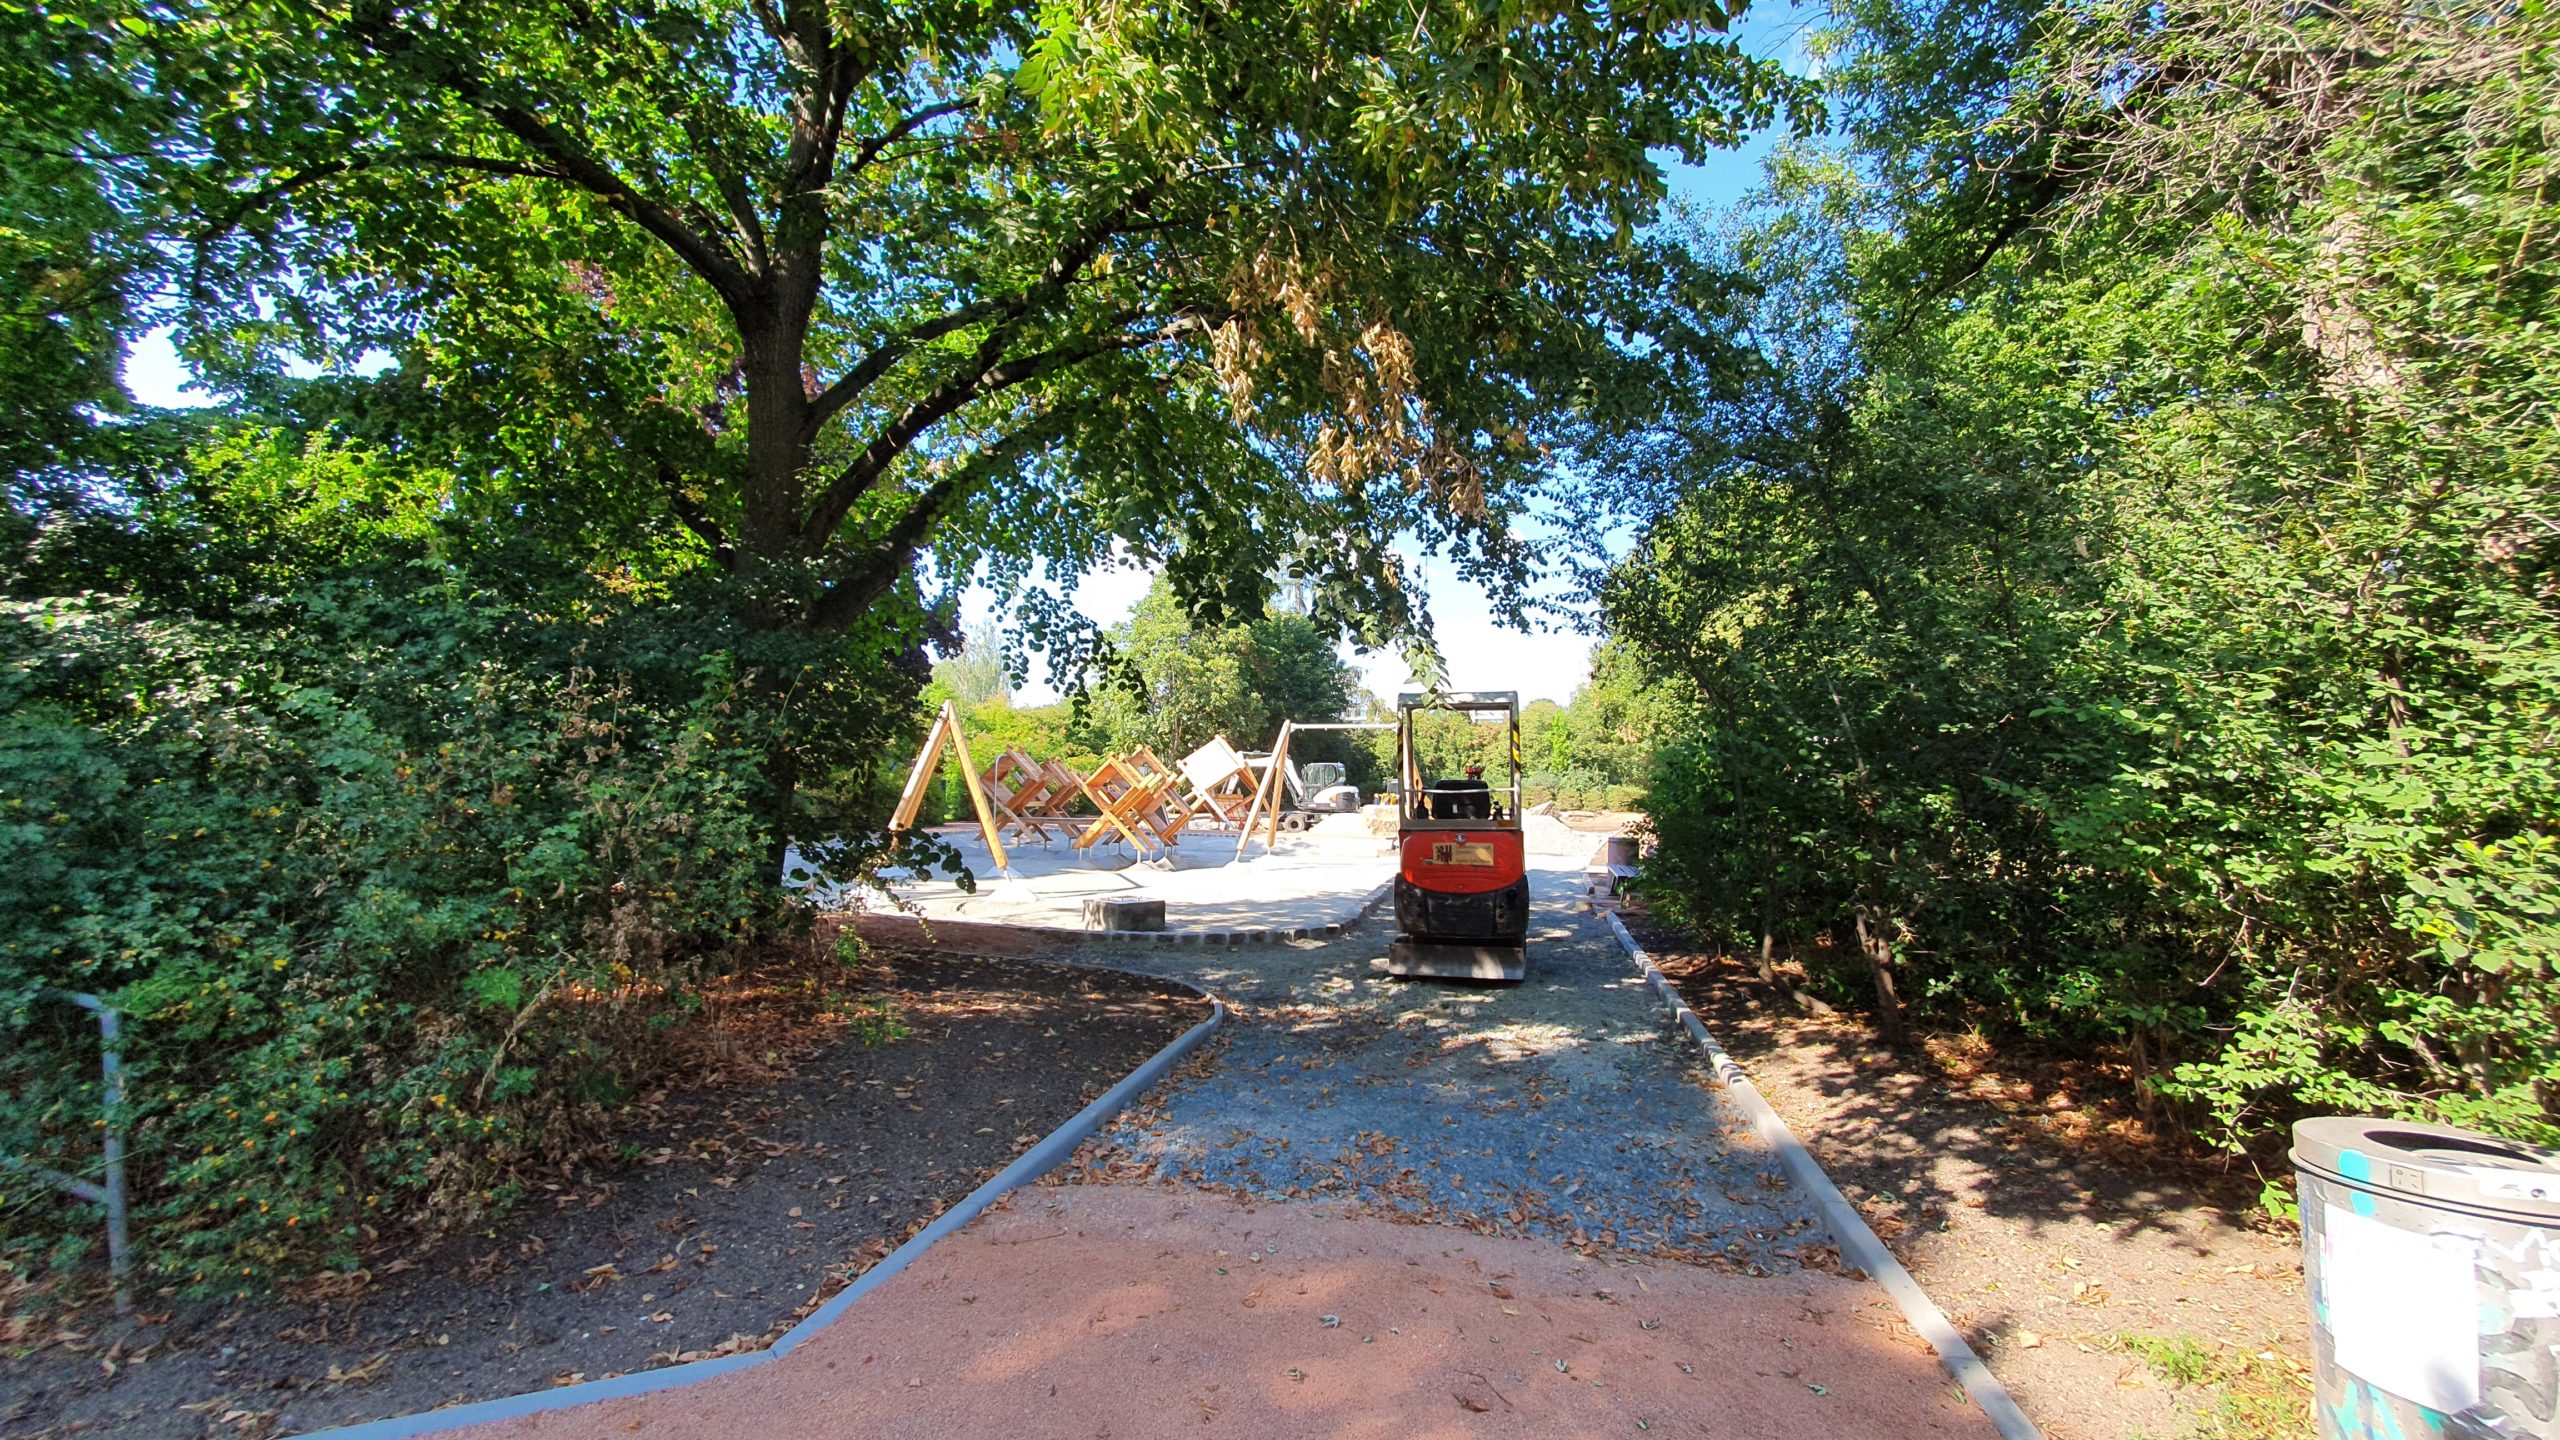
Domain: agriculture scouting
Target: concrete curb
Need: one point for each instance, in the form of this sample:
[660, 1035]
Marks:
[1858, 1244]
[1030, 1165]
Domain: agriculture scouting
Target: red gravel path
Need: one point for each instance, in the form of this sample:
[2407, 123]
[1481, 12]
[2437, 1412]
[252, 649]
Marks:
[1093, 1310]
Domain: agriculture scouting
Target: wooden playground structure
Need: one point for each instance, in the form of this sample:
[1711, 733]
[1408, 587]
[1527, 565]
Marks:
[1131, 797]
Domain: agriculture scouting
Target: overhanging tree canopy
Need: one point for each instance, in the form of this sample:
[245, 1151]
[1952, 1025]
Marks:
[830, 287]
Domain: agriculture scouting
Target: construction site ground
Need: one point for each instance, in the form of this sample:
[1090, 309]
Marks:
[1308, 881]
[1371, 1207]
[1327, 875]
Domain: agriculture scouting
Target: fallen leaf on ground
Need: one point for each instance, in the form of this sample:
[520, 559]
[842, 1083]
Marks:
[368, 1371]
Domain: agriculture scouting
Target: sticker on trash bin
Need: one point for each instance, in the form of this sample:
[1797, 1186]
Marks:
[2497, 1182]
[2402, 1311]
[2535, 1296]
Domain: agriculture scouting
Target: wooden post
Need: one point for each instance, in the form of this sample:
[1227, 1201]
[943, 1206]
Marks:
[1267, 792]
[927, 758]
[946, 728]
[1279, 781]
[977, 792]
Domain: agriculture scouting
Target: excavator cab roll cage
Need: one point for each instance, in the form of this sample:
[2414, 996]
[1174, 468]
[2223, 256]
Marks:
[1462, 883]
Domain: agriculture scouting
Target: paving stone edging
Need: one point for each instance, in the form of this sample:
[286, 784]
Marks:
[1030, 1165]
[1858, 1243]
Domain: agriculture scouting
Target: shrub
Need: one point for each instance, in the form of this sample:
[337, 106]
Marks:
[2153, 646]
[386, 904]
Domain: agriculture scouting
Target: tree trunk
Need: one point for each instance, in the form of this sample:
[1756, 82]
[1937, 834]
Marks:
[772, 502]
[777, 444]
[2144, 1098]
[1877, 950]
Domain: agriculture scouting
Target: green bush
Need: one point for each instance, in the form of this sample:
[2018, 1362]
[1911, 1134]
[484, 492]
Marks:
[2152, 645]
[1538, 787]
[383, 909]
[395, 840]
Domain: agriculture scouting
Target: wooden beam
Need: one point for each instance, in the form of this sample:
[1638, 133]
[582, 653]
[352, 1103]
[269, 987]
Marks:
[946, 731]
[1279, 778]
[1110, 811]
[977, 792]
[927, 761]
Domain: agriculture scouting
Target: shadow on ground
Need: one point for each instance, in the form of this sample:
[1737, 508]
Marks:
[2064, 1247]
[1564, 1108]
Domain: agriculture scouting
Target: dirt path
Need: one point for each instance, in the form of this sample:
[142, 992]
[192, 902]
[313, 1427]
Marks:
[2114, 1296]
[1108, 1310]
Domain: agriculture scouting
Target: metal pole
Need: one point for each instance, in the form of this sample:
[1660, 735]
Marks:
[112, 1194]
[1515, 763]
[119, 1237]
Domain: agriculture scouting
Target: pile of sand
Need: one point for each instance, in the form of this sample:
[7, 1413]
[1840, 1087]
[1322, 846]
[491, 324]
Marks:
[1371, 822]
[1547, 835]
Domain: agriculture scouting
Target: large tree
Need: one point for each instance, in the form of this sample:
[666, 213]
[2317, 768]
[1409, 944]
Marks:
[816, 290]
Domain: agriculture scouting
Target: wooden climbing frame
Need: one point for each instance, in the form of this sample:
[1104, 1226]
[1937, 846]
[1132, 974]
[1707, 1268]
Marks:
[946, 731]
[1222, 784]
[1135, 795]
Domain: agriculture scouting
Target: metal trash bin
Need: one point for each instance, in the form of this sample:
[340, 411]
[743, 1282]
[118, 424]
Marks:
[2433, 1258]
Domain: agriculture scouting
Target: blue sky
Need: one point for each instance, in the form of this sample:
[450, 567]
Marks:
[1547, 663]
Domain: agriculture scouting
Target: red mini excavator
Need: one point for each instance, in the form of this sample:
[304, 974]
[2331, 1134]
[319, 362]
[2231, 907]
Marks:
[1462, 882]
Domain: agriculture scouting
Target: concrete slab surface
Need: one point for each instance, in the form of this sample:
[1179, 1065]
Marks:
[1310, 880]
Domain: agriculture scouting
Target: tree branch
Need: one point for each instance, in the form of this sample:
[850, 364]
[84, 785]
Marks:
[694, 518]
[741, 202]
[818, 115]
[866, 468]
[1008, 311]
[260, 198]
[872, 147]
[876, 364]
[573, 161]
[894, 553]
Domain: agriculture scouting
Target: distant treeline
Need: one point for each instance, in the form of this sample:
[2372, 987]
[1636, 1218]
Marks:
[1178, 683]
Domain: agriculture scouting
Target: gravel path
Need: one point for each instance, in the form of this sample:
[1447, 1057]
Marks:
[1561, 1109]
